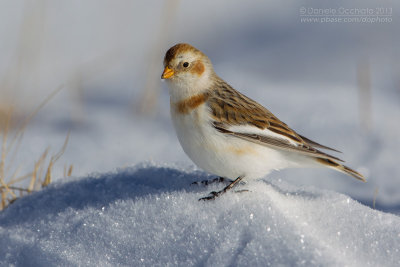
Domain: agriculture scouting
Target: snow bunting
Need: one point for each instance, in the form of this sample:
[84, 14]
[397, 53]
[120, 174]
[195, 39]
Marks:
[228, 134]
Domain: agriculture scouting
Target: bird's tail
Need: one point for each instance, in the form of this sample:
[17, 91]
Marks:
[341, 168]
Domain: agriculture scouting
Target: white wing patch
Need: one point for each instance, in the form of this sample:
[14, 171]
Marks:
[249, 129]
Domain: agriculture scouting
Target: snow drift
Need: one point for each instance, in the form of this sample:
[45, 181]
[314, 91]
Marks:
[150, 215]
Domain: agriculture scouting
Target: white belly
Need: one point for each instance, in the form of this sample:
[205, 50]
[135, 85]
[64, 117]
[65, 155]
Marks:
[221, 154]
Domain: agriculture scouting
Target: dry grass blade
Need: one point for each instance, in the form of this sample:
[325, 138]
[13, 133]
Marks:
[19, 179]
[47, 179]
[21, 129]
[4, 189]
[68, 171]
[37, 171]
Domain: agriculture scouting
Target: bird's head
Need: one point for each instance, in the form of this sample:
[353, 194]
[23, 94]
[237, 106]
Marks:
[187, 70]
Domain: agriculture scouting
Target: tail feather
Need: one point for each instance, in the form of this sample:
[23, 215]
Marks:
[341, 168]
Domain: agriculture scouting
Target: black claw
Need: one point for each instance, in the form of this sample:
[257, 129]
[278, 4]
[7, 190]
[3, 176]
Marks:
[213, 195]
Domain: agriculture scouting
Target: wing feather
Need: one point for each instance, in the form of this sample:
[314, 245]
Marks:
[229, 108]
[315, 144]
[277, 143]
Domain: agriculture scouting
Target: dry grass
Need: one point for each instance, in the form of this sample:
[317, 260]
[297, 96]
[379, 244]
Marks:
[13, 185]
[23, 71]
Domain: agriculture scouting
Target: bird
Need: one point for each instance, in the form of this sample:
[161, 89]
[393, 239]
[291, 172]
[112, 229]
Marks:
[227, 133]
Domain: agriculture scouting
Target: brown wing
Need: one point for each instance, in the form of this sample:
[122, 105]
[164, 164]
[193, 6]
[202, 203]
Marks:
[230, 107]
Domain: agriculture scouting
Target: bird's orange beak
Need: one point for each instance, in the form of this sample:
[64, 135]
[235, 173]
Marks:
[168, 73]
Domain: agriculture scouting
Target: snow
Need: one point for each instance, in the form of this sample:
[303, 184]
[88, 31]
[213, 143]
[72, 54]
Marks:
[117, 210]
[150, 215]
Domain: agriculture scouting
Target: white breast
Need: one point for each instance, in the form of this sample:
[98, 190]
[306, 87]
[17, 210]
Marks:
[221, 154]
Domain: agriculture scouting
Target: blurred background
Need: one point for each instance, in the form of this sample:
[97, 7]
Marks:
[337, 83]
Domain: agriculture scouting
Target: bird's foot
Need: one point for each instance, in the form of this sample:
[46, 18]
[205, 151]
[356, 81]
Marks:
[212, 181]
[213, 195]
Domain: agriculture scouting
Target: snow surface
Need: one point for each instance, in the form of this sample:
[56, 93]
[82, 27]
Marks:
[150, 215]
[118, 211]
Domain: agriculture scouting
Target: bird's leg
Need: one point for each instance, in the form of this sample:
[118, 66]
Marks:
[214, 194]
[215, 180]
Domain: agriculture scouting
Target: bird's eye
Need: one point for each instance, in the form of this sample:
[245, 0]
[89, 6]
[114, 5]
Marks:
[186, 64]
